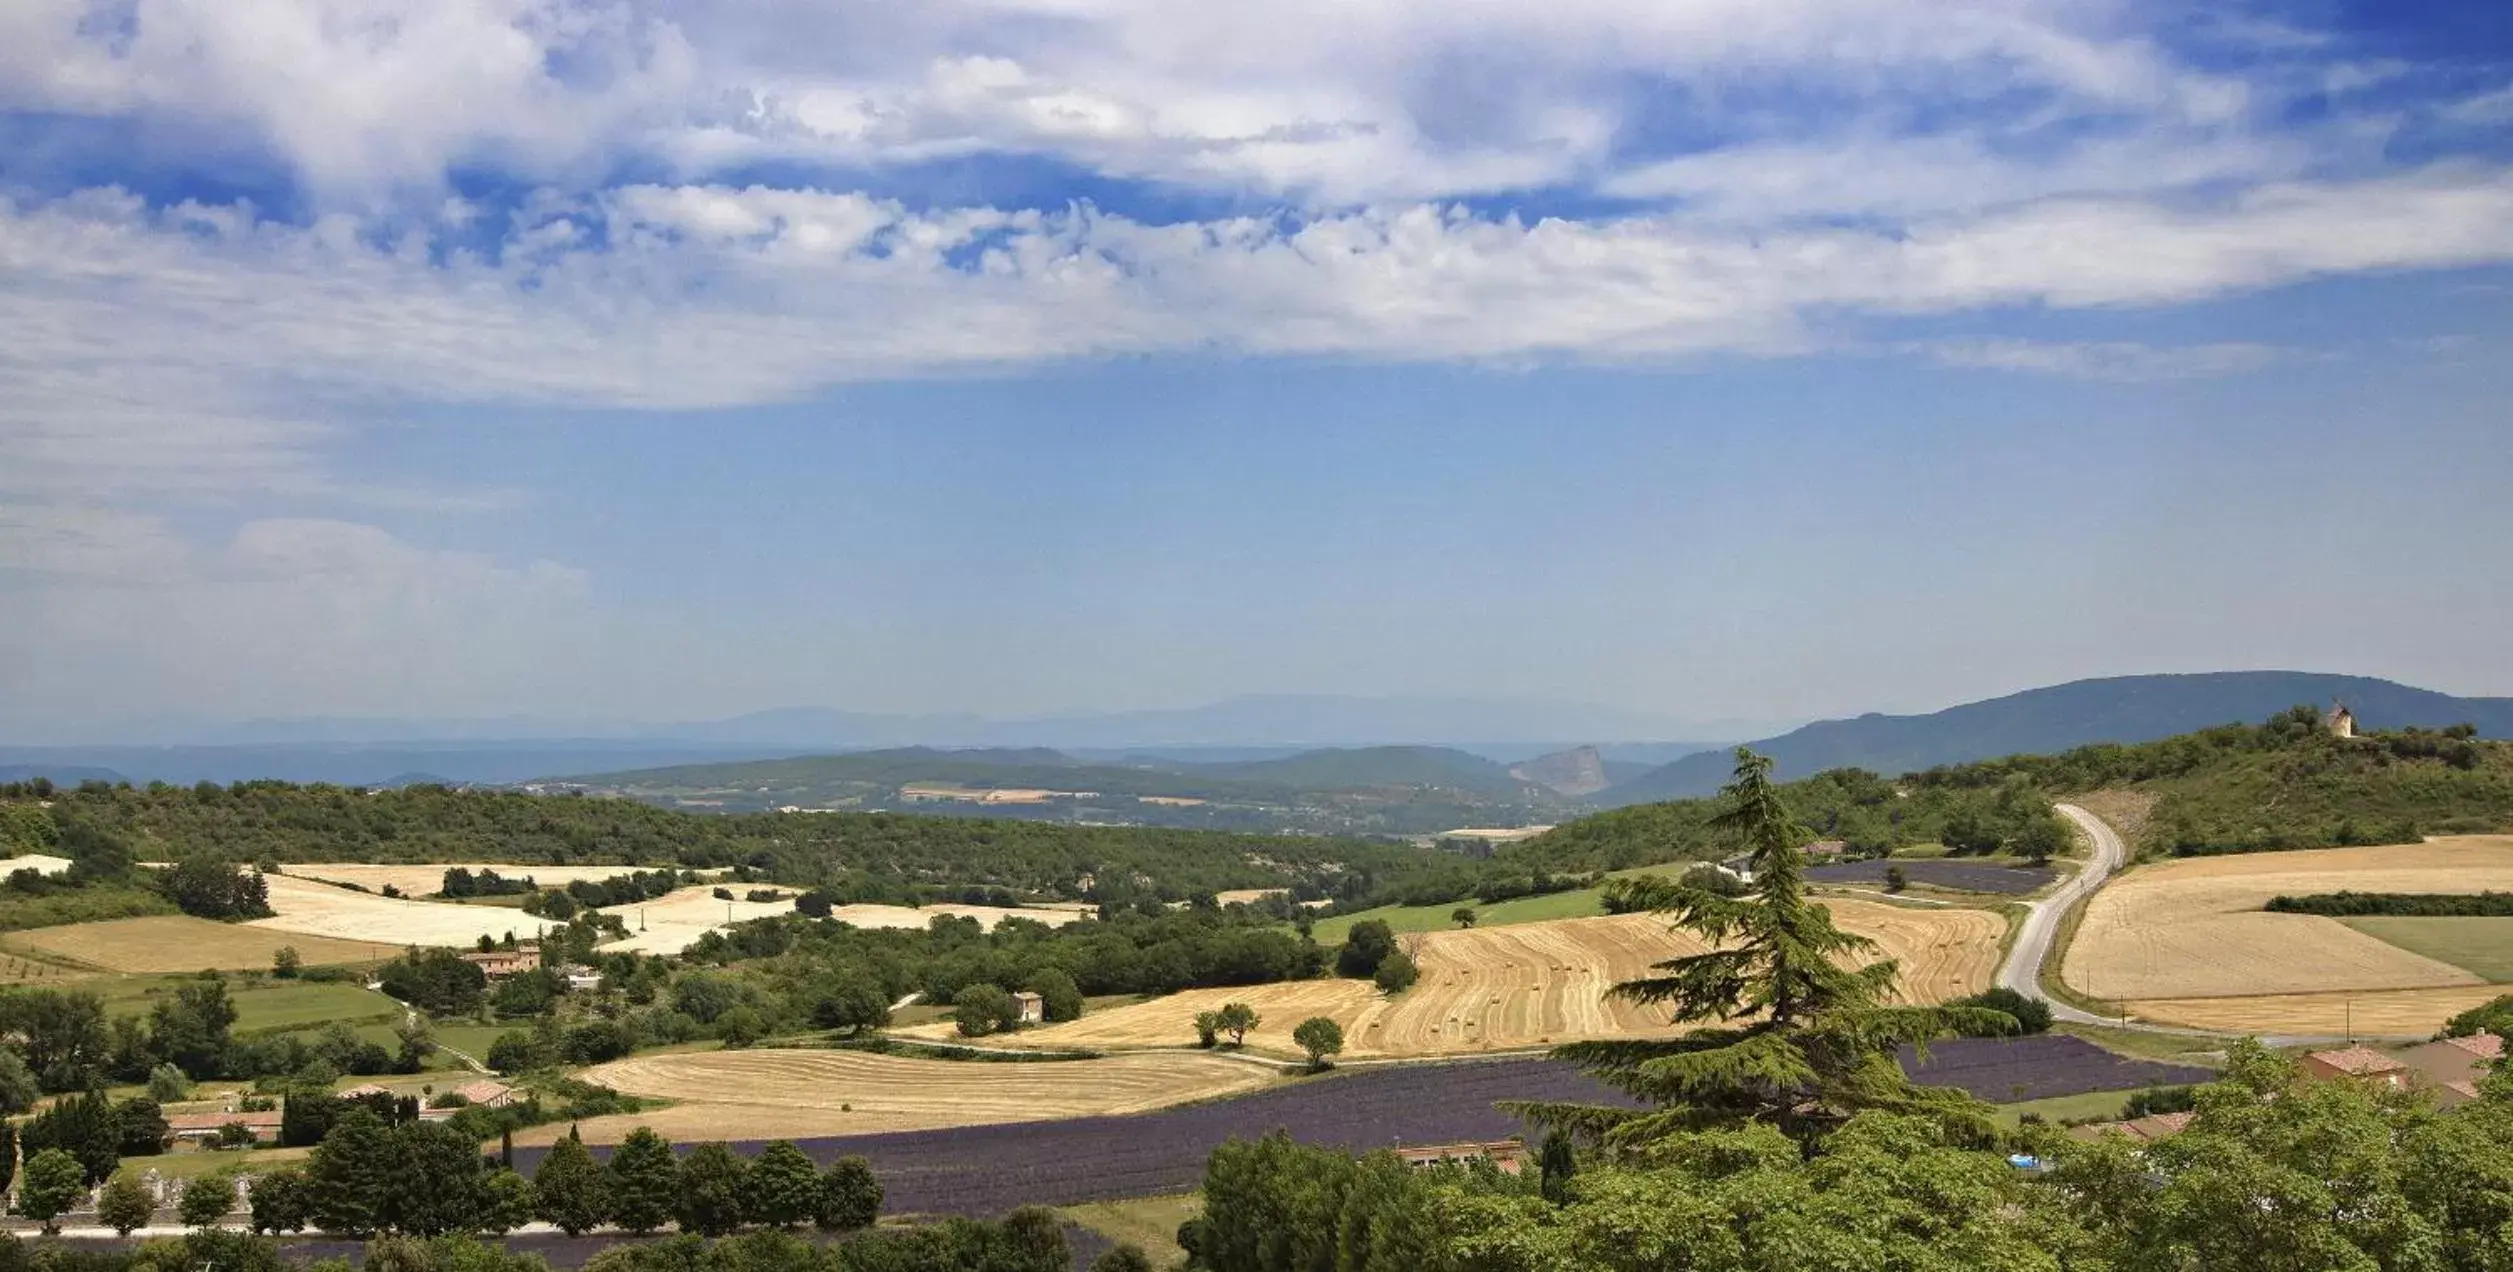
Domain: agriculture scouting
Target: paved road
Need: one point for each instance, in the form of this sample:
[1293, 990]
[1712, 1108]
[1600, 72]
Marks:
[2022, 971]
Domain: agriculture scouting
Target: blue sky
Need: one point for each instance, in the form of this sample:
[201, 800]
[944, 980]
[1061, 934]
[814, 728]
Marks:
[1719, 358]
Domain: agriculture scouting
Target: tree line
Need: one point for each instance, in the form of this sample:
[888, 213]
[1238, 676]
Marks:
[871, 857]
[2342, 905]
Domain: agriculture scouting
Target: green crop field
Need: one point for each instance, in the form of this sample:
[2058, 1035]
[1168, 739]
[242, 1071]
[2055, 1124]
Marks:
[1579, 903]
[260, 1004]
[2481, 946]
[2063, 1108]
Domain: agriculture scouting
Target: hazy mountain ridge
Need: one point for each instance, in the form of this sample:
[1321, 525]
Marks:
[2059, 717]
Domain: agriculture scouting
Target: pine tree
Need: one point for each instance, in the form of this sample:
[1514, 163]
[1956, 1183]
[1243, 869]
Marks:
[784, 1187]
[645, 1182]
[571, 1190]
[714, 1183]
[1787, 1033]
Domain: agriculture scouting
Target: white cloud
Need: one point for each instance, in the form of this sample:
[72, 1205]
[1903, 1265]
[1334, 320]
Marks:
[2126, 361]
[1398, 99]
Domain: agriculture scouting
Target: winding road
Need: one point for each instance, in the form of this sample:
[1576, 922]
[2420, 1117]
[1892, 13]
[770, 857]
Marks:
[2022, 972]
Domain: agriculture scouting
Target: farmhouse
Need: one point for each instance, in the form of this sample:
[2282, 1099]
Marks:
[2359, 1064]
[1827, 848]
[199, 1128]
[1508, 1155]
[497, 963]
[1033, 1008]
[2451, 1067]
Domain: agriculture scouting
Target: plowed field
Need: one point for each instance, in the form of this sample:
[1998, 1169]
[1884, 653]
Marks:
[777, 1094]
[1526, 985]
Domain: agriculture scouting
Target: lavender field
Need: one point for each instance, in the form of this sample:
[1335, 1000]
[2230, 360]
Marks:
[986, 1170]
[2009, 1070]
[1961, 876]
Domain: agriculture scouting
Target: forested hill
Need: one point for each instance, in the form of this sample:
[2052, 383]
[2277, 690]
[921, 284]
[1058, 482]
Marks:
[855, 856]
[2285, 783]
[1389, 790]
[2045, 721]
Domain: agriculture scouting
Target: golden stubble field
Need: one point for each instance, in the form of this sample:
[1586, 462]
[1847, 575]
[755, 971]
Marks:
[1525, 985]
[671, 923]
[770, 1094]
[305, 907]
[423, 880]
[2186, 942]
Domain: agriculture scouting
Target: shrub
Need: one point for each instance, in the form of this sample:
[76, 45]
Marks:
[1397, 973]
[2032, 1014]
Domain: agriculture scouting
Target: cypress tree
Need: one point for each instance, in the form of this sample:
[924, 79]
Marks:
[1788, 1034]
[645, 1182]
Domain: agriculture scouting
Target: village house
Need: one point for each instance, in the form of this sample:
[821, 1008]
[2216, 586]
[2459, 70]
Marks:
[2144, 1130]
[1827, 848]
[482, 1094]
[2358, 1064]
[2450, 1068]
[1509, 1155]
[200, 1128]
[1033, 1008]
[500, 963]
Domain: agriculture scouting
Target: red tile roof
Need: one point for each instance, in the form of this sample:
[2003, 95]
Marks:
[261, 1121]
[2357, 1061]
[2485, 1046]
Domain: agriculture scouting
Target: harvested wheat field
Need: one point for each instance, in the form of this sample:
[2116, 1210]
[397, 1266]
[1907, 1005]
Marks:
[424, 880]
[670, 924]
[2194, 928]
[771, 1094]
[319, 909]
[2388, 1013]
[1523, 986]
[180, 943]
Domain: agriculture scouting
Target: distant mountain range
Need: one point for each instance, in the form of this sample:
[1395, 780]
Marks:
[1256, 720]
[2041, 721]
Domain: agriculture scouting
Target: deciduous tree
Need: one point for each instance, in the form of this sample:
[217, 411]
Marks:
[1321, 1037]
[783, 1189]
[850, 1196]
[644, 1182]
[124, 1204]
[570, 1189]
[714, 1182]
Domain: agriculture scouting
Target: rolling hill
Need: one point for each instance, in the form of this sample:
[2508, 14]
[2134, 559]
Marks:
[2057, 718]
[2283, 783]
[1392, 790]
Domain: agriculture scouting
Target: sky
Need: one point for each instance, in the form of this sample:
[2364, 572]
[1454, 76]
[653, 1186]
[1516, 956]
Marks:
[1722, 359]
